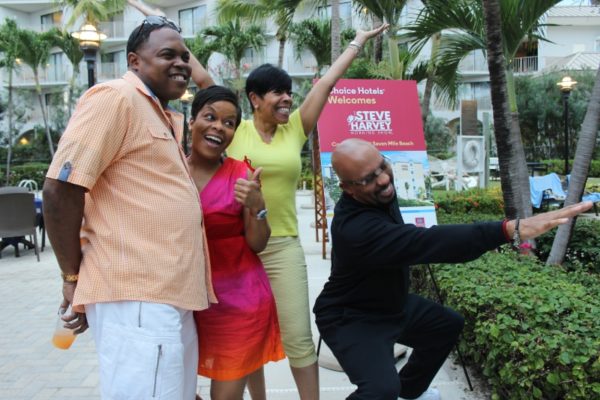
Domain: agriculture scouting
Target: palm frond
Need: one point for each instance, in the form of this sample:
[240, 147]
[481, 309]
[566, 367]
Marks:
[313, 35]
[253, 10]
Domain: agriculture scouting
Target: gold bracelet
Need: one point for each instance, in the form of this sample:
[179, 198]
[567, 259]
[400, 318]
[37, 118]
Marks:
[69, 277]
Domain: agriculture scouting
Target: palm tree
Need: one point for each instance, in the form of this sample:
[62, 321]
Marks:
[313, 35]
[431, 73]
[520, 21]
[9, 46]
[94, 11]
[258, 11]
[505, 142]
[35, 52]
[335, 30]
[70, 47]
[201, 48]
[579, 172]
[388, 11]
[232, 41]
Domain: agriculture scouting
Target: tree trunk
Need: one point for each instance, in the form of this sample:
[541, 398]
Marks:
[502, 117]
[518, 170]
[579, 172]
[511, 157]
[335, 30]
[10, 125]
[38, 89]
[378, 40]
[71, 93]
[435, 45]
[281, 52]
[397, 70]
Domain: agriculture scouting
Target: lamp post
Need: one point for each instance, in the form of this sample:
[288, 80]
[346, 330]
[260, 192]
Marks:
[185, 99]
[89, 42]
[566, 85]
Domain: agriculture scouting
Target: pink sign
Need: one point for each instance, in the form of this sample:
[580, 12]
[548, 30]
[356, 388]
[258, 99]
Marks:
[386, 113]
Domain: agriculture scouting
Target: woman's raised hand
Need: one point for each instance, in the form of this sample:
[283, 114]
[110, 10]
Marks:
[363, 36]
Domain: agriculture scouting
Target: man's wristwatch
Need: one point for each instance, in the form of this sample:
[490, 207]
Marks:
[262, 214]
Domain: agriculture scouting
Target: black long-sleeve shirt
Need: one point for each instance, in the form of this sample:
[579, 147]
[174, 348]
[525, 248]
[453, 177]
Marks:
[372, 249]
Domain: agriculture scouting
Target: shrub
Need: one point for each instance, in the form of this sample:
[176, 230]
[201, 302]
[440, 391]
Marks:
[533, 329]
[444, 217]
[473, 200]
[558, 166]
[35, 171]
[584, 246]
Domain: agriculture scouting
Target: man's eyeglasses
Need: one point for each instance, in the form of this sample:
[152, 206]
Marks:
[367, 180]
[157, 20]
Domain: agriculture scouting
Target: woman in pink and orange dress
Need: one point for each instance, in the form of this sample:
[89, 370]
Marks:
[240, 333]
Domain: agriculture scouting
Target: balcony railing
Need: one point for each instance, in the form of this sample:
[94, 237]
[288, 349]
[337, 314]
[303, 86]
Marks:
[47, 27]
[523, 65]
[192, 29]
[484, 103]
[305, 65]
[110, 70]
[474, 62]
[117, 29]
[50, 75]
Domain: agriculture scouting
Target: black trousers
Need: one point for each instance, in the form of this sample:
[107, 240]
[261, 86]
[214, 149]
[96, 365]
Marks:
[363, 345]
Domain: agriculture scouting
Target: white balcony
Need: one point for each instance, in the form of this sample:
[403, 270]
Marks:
[302, 67]
[47, 76]
[117, 30]
[525, 65]
[474, 63]
[484, 103]
[110, 70]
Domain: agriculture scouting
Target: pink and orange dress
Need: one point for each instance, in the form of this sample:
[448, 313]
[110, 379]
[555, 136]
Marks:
[240, 333]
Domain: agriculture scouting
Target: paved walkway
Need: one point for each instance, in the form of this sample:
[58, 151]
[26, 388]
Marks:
[32, 369]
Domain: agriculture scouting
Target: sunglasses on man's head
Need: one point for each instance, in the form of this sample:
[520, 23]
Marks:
[156, 20]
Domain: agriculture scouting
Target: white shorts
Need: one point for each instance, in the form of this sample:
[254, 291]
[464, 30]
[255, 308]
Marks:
[145, 350]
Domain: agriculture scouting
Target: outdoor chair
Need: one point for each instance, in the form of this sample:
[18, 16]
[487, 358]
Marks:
[546, 190]
[29, 184]
[17, 219]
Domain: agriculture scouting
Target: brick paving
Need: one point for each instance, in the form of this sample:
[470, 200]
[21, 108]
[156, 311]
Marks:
[32, 369]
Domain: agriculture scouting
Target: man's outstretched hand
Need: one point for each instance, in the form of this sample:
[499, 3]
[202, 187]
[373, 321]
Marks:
[532, 227]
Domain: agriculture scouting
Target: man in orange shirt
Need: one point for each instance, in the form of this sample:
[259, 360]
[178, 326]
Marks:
[125, 222]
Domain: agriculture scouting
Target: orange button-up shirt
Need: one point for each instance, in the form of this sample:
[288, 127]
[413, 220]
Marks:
[142, 235]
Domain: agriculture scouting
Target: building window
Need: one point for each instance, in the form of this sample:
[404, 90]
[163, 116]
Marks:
[51, 20]
[192, 20]
[113, 64]
[55, 69]
[324, 12]
[114, 27]
[598, 44]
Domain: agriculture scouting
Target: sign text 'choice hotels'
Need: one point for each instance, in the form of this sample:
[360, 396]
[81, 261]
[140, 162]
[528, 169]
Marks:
[386, 113]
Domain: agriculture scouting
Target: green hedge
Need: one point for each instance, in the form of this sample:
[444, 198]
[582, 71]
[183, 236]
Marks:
[487, 201]
[584, 246]
[558, 166]
[533, 329]
[444, 217]
[35, 171]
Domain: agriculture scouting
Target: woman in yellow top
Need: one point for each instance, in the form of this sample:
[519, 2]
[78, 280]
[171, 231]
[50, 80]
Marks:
[273, 140]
